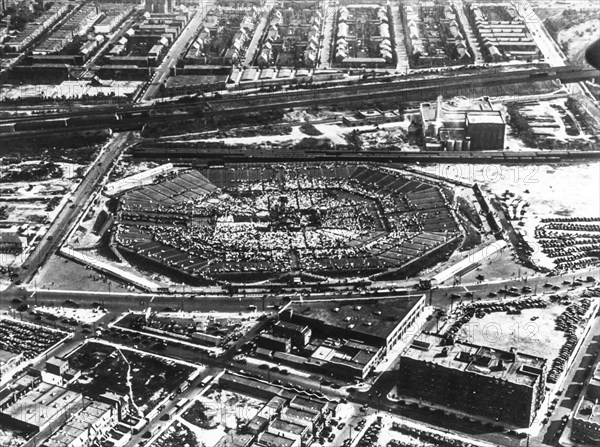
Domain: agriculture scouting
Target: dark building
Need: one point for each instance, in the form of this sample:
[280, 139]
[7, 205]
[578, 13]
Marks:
[299, 334]
[462, 125]
[485, 131]
[480, 381]
[275, 343]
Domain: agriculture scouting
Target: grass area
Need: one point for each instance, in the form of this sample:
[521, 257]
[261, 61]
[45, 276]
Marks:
[177, 435]
[197, 415]
[105, 369]
[60, 273]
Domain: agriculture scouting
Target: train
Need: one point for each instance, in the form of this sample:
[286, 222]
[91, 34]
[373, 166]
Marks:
[134, 116]
[226, 155]
[126, 120]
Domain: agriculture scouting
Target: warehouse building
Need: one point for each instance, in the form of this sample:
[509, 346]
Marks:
[351, 337]
[379, 322]
[479, 381]
[42, 408]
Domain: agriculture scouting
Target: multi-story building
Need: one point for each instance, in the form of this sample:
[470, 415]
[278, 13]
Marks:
[298, 334]
[367, 330]
[480, 381]
[462, 125]
[586, 417]
[269, 341]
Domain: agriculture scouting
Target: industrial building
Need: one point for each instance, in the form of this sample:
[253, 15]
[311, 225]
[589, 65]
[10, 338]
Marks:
[350, 338]
[275, 343]
[377, 322]
[462, 125]
[479, 381]
[298, 334]
[586, 417]
[41, 408]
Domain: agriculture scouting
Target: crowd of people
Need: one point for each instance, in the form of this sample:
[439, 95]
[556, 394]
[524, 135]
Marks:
[286, 218]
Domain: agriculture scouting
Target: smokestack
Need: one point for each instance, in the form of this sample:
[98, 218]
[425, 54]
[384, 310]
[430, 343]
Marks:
[438, 117]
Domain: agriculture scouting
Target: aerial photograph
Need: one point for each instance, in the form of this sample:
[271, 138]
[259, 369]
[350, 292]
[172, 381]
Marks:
[299, 223]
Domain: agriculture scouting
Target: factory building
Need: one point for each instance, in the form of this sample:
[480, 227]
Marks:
[462, 125]
[350, 338]
[298, 334]
[42, 408]
[475, 380]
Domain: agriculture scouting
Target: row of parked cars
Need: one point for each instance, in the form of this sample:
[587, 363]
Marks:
[567, 322]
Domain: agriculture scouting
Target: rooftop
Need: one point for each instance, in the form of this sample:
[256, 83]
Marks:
[301, 415]
[271, 440]
[78, 424]
[372, 316]
[589, 411]
[288, 427]
[456, 108]
[514, 367]
[9, 238]
[44, 399]
[310, 405]
[292, 326]
[489, 118]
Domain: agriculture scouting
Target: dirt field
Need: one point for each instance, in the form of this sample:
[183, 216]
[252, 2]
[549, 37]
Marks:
[531, 332]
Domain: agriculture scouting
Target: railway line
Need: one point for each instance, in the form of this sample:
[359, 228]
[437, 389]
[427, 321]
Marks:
[225, 155]
[242, 102]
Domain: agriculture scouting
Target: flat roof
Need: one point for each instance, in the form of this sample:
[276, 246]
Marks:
[514, 367]
[486, 118]
[309, 404]
[46, 399]
[78, 424]
[292, 326]
[371, 316]
[194, 80]
[272, 440]
[589, 411]
[296, 413]
[289, 427]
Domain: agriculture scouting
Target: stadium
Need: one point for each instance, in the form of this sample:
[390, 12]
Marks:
[266, 222]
